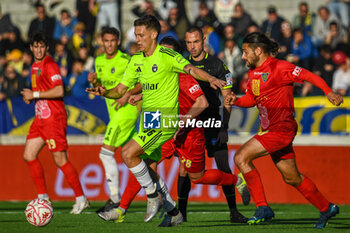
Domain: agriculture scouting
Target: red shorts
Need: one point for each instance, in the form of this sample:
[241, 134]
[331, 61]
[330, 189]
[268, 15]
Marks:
[191, 153]
[278, 144]
[52, 131]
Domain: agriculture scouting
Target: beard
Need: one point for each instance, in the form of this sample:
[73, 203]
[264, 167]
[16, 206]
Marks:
[253, 62]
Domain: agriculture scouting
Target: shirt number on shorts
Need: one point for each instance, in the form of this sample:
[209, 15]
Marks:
[186, 162]
[51, 143]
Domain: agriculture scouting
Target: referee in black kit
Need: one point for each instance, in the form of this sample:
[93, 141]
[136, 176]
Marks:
[216, 138]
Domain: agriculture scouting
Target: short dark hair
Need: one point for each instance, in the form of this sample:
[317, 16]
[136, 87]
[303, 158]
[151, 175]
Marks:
[110, 30]
[65, 11]
[303, 4]
[195, 29]
[171, 41]
[150, 21]
[39, 37]
[259, 39]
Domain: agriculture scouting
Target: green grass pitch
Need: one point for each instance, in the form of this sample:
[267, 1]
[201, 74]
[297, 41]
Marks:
[202, 217]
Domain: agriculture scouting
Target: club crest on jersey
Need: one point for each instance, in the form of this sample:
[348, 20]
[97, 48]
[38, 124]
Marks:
[154, 68]
[264, 76]
[38, 72]
[113, 70]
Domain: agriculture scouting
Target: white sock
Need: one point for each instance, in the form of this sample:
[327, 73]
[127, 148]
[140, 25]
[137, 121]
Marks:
[80, 199]
[112, 173]
[142, 175]
[168, 202]
[44, 196]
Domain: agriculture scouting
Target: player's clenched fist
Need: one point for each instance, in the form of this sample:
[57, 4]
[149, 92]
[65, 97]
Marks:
[230, 99]
[92, 78]
[334, 98]
[99, 91]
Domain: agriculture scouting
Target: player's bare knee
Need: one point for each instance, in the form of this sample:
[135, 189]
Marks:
[182, 171]
[293, 181]
[239, 160]
[126, 154]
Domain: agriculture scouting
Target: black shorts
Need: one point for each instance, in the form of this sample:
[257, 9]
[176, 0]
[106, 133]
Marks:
[211, 135]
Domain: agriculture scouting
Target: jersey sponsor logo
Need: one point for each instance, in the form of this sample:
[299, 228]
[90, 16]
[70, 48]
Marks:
[256, 87]
[151, 120]
[149, 86]
[258, 73]
[297, 71]
[137, 64]
[154, 68]
[138, 70]
[264, 76]
[56, 77]
[113, 70]
[42, 109]
[229, 79]
[194, 88]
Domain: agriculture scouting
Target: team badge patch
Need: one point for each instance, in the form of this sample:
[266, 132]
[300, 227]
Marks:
[113, 70]
[154, 68]
[264, 76]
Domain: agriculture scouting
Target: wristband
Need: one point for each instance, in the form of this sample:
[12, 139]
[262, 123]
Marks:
[36, 94]
[227, 87]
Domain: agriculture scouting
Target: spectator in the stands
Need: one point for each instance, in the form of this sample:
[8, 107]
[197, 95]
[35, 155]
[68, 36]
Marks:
[64, 28]
[79, 38]
[178, 22]
[27, 59]
[341, 77]
[241, 20]
[336, 36]
[165, 30]
[341, 10]
[5, 23]
[77, 82]
[303, 50]
[133, 48]
[13, 83]
[324, 67]
[208, 17]
[63, 58]
[285, 41]
[164, 8]
[14, 59]
[272, 25]
[13, 41]
[323, 20]
[232, 57]
[212, 40]
[146, 7]
[83, 14]
[108, 13]
[84, 55]
[43, 23]
[305, 20]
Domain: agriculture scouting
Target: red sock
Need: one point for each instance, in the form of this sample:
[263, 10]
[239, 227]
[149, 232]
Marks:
[215, 176]
[255, 187]
[72, 177]
[131, 190]
[309, 190]
[37, 173]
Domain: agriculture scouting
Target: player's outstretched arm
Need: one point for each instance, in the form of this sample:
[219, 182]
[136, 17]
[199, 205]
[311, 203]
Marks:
[204, 76]
[114, 93]
[53, 93]
[317, 81]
